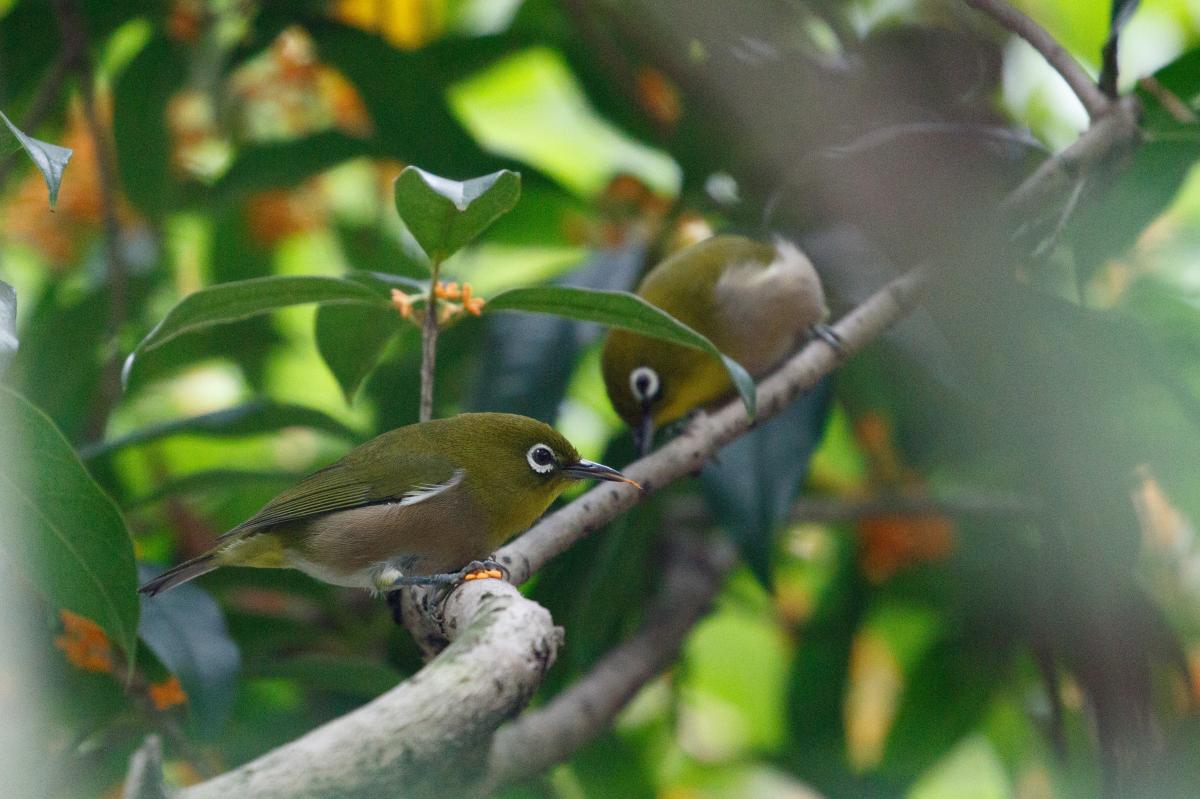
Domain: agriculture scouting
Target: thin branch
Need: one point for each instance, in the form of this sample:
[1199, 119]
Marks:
[429, 334]
[1170, 101]
[1055, 54]
[144, 780]
[539, 739]
[688, 452]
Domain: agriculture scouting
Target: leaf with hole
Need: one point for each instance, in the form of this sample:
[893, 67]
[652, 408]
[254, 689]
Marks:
[626, 311]
[445, 215]
[62, 534]
[50, 159]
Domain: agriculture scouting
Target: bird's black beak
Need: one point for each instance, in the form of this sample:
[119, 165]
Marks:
[590, 470]
[643, 434]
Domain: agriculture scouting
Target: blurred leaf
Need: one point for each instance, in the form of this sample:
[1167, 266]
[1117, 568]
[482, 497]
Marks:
[214, 479]
[257, 416]
[529, 106]
[445, 215]
[278, 165]
[8, 325]
[61, 531]
[374, 252]
[623, 310]
[532, 356]
[358, 677]
[185, 628]
[753, 482]
[228, 302]
[352, 339]
[140, 132]
[50, 159]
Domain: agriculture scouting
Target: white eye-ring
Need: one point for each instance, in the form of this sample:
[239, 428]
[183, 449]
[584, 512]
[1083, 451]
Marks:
[541, 458]
[643, 382]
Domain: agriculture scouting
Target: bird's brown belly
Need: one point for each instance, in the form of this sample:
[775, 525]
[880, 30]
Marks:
[435, 536]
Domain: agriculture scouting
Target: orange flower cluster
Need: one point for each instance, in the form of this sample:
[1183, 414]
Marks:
[84, 643]
[447, 309]
[167, 694]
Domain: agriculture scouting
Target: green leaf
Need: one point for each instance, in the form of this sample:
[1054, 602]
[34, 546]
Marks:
[445, 215]
[186, 631]
[251, 418]
[623, 310]
[352, 339]
[752, 483]
[229, 302]
[215, 480]
[50, 159]
[352, 676]
[283, 164]
[8, 325]
[61, 532]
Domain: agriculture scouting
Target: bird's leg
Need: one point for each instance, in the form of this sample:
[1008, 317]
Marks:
[830, 337]
[389, 577]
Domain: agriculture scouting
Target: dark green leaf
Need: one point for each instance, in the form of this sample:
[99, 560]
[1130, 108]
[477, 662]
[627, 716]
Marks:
[753, 482]
[215, 479]
[8, 325]
[532, 356]
[61, 531]
[445, 215]
[251, 418]
[186, 630]
[358, 677]
[352, 339]
[140, 133]
[624, 310]
[50, 159]
[228, 302]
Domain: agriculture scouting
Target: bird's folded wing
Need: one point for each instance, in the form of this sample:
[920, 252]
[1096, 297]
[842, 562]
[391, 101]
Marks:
[344, 486]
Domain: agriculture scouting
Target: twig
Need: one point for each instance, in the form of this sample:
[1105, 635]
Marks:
[1055, 54]
[694, 574]
[1170, 101]
[144, 779]
[75, 42]
[429, 334]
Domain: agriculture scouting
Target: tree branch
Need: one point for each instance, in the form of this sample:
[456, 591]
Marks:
[429, 334]
[694, 574]
[428, 736]
[1055, 54]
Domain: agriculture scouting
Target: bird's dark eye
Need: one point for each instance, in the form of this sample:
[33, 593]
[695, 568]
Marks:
[644, 383]
[541, 458]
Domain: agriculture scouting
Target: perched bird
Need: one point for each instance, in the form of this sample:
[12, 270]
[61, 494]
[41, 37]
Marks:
[756, 302]
[418, 505]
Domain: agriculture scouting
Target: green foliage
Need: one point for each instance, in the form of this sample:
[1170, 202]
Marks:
[63, 535]
[626, 311]
[445, 215]
[8, 325]
[50, 159]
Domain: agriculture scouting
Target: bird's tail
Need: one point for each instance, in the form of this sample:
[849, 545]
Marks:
[188, 570]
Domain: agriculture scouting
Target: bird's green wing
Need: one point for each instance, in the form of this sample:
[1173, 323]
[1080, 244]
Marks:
[362, 478]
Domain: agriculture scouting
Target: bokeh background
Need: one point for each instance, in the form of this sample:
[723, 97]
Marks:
[970, 566]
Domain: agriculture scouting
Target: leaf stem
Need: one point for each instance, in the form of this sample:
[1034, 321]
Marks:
[429, 334]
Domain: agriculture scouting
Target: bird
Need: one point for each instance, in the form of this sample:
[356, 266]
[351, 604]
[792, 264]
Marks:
[756, 302]
[421, 504]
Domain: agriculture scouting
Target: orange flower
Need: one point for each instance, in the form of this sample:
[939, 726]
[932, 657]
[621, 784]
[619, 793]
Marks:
[84, 643]
[167, 694]
[891, 543]
[658, 96]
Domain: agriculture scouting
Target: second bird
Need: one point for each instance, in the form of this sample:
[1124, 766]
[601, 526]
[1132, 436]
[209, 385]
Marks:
[756, 302]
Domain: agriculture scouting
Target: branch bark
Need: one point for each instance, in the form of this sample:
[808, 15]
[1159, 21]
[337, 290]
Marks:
[542, 738]
[428, 736]
[1055, 54]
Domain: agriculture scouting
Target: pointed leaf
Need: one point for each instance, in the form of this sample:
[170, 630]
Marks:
[8, 325]
[753, 482]
[185, 629]
[50, 159]
[61, 532]
[444, 215]
[228, 302]
[623, 310]
[352, 339]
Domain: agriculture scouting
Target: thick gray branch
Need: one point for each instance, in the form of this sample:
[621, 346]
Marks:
[550, 735]
[428, 736]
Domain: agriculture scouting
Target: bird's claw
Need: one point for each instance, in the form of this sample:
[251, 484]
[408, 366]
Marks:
[830, 337]
[483, 570]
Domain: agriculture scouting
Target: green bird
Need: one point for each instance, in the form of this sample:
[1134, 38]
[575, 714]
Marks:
[756, 302]
[422, 504]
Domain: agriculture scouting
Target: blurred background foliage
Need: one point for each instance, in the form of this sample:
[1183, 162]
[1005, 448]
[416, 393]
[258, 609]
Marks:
[992, 588]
